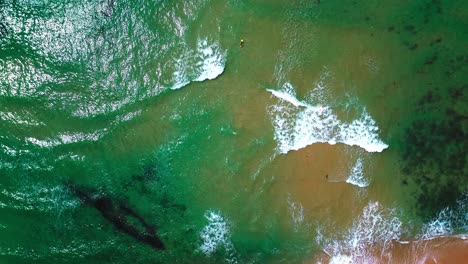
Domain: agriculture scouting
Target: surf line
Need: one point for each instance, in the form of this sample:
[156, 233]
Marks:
[303, 124]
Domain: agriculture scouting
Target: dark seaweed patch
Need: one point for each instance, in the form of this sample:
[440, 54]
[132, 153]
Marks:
[457, 92]
[411, 29]
[457, 64]
[436, 41]
[434, 147]
[437, 6]
[430, 60]
[410, 46]
[461, 58]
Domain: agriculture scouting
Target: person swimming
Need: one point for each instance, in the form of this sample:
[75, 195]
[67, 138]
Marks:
[241, 43]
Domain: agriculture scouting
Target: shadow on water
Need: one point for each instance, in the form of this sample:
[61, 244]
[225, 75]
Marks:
[3, 27]
[120, 215]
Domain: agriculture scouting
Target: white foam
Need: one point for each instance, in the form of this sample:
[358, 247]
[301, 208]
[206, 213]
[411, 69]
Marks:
[299, 124]
[440, 226]
[212, 61]
[127, 117]
[207, 62]
[288, 95]
[341, 259]
[217, 234]
[180, 75]
[297, 213]
[448, 221]
[10, 151]
[15, 118]
[180, 81]
[67, 138]
[356, 176]
[377, 226]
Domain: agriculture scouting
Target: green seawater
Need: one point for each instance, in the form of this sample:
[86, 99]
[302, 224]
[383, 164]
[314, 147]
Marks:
[149, 114]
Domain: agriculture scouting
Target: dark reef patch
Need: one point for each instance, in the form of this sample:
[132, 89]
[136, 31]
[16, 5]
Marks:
[436, 41]
[411, 29]
[432, 137]
[431, 60]
[414, 46]
[434, 148]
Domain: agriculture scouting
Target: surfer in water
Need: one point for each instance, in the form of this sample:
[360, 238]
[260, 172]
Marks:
[241, 43]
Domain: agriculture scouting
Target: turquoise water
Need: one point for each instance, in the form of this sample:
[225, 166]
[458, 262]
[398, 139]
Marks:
[142, 132]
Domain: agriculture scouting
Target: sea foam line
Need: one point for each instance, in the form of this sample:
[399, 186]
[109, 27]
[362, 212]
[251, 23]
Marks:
[299, 124]
[68, 138]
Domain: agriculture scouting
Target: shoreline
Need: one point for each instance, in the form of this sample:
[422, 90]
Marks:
[444, 249]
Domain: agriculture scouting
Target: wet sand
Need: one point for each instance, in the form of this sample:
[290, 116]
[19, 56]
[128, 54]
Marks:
[436, 250]
[313, 178]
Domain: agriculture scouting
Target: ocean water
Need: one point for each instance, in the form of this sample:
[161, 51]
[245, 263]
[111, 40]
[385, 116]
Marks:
[142, 132]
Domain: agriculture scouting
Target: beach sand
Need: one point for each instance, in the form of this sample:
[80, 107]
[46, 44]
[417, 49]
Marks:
[436, 250]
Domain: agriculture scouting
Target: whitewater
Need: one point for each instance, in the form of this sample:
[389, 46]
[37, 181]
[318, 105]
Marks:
[299, 124]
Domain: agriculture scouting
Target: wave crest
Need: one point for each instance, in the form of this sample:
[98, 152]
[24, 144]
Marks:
[299, 124]
[207, 62]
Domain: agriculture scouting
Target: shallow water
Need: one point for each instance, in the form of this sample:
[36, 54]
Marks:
[336, 132]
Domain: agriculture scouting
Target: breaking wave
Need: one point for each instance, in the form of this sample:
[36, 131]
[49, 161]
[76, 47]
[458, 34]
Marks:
[371, 237]
[207, 62]
[376, 226]
[299, 124]
[449, 221]
[356, 176]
